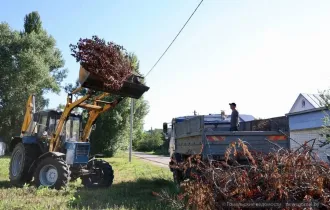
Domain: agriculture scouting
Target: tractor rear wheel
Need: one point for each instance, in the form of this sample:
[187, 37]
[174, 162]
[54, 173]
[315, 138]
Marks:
[52, 172]
[101, 174]
[21, 159]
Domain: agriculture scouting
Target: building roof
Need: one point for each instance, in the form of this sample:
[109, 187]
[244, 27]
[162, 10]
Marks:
[307, 103]
[246, 117]
[314, 99]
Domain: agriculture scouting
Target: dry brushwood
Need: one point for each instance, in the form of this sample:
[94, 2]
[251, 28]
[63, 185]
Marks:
[283, 176]
[108, 61]
[261, 125]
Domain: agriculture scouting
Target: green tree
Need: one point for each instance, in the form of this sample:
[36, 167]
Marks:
[325, 102]
[30, 64]
[112, 127]
[60, 106]
[32, 22]
[152, 140]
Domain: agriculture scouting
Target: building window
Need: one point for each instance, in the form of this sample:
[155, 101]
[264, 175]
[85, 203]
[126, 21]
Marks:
[303, 103]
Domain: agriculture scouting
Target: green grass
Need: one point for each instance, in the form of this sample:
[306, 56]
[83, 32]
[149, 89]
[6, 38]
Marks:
[132, 189]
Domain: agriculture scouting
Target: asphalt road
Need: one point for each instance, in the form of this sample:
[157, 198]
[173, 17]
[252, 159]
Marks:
[154, 159]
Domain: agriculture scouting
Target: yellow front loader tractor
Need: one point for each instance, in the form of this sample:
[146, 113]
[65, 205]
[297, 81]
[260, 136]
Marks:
[54, 148]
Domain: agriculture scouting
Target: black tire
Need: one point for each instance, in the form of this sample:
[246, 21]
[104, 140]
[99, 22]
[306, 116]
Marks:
[56, 164]
[103, 176]
[19, 176]
[177, 177]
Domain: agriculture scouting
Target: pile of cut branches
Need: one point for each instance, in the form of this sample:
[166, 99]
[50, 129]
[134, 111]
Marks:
[107, 61]
[281, 176]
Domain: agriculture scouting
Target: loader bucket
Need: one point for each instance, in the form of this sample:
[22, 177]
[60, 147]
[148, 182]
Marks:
[131, 88]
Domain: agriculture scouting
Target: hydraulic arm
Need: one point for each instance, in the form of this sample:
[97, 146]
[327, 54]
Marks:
[94, 113]
[30, 109]
[94, 109]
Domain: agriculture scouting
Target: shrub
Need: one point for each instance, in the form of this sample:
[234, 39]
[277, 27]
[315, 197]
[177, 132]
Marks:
[281, 176]
[108, 61]
[150, 141]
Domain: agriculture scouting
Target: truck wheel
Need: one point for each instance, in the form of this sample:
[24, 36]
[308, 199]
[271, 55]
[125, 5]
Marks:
[177, 177]
[52, 172]
[101, 174]
[22, 158]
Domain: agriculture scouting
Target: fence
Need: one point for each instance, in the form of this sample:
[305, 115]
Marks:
[271, 124]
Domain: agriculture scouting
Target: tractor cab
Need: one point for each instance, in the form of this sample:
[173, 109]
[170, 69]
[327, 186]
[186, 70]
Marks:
[47, 121]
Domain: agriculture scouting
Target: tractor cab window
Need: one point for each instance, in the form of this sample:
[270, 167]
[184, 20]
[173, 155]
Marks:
[42, 124]
[54, 119]
[75, 128]
[67, 129]
[71, 129]
[48, 122]
[52, 124]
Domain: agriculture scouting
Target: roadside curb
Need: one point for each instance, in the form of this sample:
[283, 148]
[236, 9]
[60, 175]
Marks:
[152, 161]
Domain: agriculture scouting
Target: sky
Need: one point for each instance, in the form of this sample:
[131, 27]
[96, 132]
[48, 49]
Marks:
[258, 54]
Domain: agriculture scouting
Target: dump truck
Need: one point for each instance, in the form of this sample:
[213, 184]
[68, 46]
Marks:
[209, 136]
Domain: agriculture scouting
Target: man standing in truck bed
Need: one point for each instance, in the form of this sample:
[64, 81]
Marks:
[234, 117]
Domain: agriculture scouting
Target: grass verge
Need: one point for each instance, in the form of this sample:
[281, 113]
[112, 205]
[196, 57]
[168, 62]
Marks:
[132, 189]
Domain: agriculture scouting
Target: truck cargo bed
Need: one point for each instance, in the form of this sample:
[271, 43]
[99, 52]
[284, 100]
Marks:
[193, 136]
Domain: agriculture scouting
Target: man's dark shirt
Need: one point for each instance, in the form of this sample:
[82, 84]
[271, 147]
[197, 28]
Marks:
[234, 119]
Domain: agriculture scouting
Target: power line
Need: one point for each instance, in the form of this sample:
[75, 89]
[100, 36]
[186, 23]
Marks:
[174, 38]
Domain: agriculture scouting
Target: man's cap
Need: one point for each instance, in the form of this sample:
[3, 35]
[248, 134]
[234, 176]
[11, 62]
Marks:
[232, 104]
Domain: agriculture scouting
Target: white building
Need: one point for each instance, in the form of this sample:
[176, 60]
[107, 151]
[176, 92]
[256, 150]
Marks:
[306, 120]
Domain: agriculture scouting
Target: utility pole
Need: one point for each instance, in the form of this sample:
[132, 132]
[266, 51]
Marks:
[131, 134]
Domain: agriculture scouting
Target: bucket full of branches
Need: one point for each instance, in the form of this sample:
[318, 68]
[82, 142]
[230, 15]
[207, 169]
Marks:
[107, 67]
[282, 179]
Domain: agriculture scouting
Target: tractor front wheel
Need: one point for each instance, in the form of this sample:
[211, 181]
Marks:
[52, 172]
[101, 174]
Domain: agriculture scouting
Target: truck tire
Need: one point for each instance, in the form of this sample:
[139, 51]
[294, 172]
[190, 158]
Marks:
[177, 177]
[21, 159]
[102, 174]
[52, 172]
